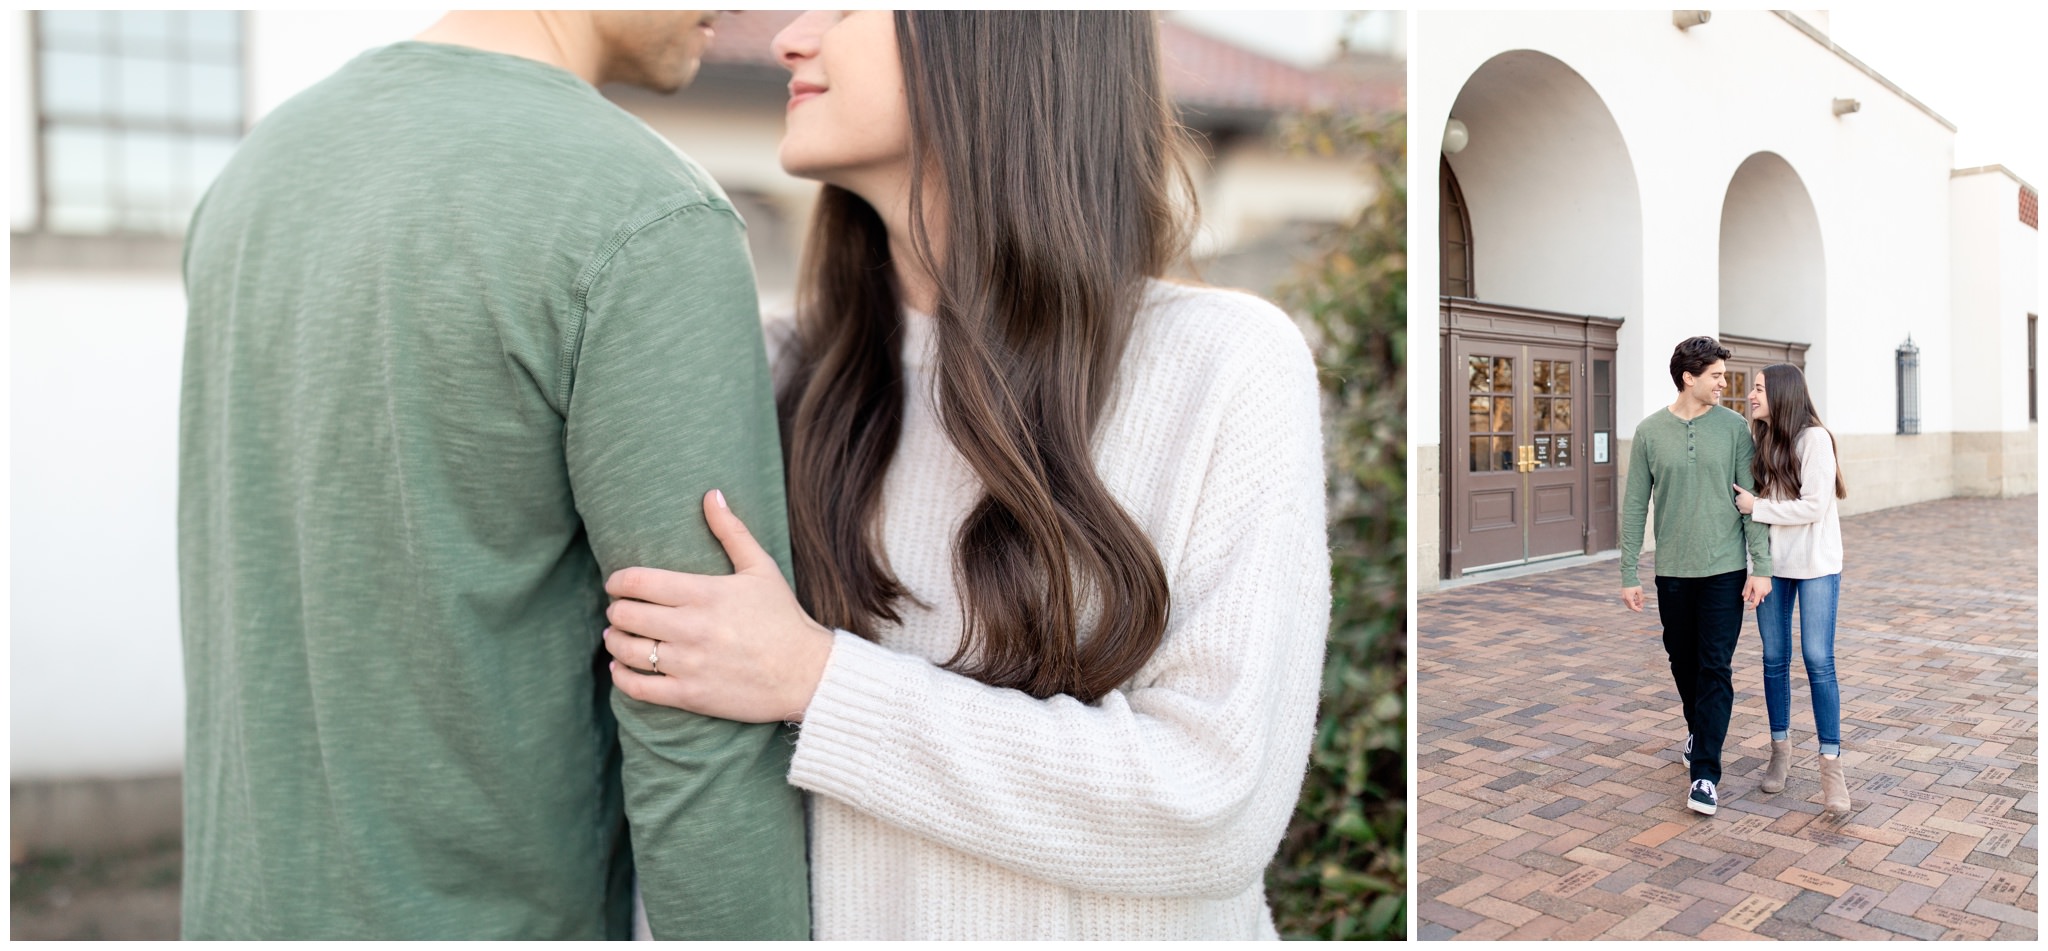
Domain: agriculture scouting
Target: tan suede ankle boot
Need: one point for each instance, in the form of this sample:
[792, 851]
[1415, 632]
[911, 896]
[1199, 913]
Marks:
[1834, 787]
[1781, 763]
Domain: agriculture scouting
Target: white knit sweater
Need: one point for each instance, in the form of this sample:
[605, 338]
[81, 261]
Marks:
[1806, 532]
[945, 808]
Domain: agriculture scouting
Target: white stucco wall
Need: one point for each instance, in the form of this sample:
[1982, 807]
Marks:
[1691, 107]
[1773, 268]
[1991, 298]
[95, 682]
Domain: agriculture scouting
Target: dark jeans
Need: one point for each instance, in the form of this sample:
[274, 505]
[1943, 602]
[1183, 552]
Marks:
[1702, 620]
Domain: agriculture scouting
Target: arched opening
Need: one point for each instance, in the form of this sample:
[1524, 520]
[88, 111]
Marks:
[1541, 240]
[1555, 211]
[1773, 276]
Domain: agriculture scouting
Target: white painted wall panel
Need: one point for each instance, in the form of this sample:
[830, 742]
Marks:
[95, 679]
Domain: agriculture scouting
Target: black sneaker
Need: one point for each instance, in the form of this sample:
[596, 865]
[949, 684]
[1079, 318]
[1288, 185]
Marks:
[1703, 800]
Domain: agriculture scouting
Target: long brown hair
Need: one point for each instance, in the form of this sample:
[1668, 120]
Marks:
[1058, 158]
[1776, 464]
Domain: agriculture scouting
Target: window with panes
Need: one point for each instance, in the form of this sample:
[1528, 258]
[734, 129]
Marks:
[137, 111]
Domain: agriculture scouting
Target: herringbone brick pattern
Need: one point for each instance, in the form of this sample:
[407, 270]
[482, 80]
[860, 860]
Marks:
[1551, 786]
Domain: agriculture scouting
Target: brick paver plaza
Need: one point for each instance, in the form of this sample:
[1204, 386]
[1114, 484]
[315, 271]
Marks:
[1551, 785]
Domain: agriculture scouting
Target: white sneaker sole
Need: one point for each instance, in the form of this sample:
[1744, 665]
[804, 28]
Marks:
[1700, 807]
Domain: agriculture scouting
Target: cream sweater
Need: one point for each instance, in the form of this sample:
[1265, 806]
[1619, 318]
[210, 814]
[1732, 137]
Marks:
[1806, 532]
[945, 808]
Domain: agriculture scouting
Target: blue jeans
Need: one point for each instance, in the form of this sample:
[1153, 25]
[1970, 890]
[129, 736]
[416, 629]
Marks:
[1817, 598]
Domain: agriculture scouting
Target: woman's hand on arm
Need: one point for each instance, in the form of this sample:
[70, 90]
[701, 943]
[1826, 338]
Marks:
[737, 646]
[1745, 501]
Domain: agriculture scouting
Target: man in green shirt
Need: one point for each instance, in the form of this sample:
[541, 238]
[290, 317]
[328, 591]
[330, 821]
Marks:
[463, 339]
[1685, 457]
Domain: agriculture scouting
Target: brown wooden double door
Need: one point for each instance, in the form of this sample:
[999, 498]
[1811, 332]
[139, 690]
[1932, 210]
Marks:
[1530, 457]
[1524, 448]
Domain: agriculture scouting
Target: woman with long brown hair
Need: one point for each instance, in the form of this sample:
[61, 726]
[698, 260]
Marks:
[1057, 524]
[1798, 479]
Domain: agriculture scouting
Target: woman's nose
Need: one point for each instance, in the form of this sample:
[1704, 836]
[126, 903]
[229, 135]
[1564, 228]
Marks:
[799, 40]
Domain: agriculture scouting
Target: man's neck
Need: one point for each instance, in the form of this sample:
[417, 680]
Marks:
[1688, 408]
[560, 38]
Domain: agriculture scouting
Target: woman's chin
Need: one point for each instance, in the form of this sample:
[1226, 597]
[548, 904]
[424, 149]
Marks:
[798, 165]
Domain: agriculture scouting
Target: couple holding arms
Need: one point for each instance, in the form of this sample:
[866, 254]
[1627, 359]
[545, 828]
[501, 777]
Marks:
[520, 573]
[1721, 487]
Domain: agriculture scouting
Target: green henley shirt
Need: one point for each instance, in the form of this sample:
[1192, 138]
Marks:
[464, 338]
[1688, 467]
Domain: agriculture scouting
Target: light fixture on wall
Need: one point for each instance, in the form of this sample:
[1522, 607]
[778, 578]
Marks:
[1687, 19]
[1845, 106]
[1456, 137]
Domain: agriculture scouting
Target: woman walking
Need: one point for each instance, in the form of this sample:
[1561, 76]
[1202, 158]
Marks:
[1798, 480]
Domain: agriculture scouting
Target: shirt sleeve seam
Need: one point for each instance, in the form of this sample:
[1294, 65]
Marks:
[572, 343]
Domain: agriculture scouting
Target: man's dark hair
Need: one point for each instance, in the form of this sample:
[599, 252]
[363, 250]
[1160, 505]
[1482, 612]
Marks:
[1692, 356]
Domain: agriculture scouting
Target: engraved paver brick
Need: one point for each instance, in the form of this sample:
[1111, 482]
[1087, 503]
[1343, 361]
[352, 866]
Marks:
[1976, 926]
[1858, 901]
[1551, 801]
[1814, 881]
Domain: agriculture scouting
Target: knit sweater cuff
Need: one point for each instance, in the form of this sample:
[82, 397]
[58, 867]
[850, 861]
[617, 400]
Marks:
[844, 729]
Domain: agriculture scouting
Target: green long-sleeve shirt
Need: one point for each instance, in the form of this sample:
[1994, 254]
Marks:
[463, 339]
[1689, 468]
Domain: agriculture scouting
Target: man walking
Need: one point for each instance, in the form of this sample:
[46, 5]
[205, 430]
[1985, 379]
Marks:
[464, 338]
[1684, 458]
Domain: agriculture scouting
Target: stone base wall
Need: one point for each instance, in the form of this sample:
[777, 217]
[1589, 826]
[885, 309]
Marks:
[1887, 471]
[1996, 465]
[1426, 522]
[94, 816]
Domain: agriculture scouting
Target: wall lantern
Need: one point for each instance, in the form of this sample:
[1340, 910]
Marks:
[1845, 106]
[1687, 19]
[1456, 137]
[1909, 387]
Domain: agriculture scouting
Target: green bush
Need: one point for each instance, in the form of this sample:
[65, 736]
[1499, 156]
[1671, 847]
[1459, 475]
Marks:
[1342, 870]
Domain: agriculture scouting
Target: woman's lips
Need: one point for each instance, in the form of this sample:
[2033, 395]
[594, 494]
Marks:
[801, 92]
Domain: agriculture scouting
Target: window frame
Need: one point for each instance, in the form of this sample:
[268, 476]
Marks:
[127, 243]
